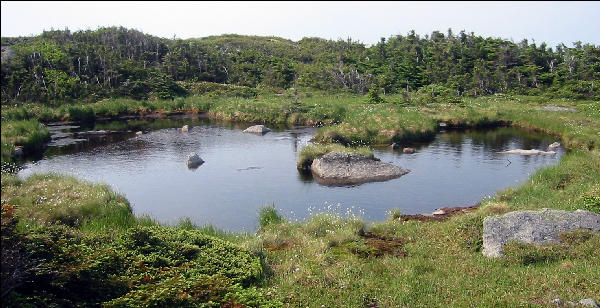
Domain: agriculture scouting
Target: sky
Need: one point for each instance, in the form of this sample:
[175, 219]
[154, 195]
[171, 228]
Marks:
[367, 22]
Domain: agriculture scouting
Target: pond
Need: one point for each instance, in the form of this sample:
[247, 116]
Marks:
[243, 171]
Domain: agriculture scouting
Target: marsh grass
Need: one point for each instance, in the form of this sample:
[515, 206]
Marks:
[315, 262]
[30, 134]
[46, 199]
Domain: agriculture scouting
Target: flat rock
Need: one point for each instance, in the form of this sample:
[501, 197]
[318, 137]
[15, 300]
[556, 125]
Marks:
[528, 152]
[534, 227]
[257, 129]
[338, 168]
[556, 108]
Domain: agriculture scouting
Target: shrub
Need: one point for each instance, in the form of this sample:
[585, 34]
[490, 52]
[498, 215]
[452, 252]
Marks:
[143, 267]
[269, 215]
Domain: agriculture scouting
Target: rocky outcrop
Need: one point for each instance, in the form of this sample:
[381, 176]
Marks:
[528, 152]
[534, 227]
[194, 161]
[257, 129]
[339, 168]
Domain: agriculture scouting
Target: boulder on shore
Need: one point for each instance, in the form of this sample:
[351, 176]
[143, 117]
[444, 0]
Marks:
[194, 161]
[528, 152]
[337, 168]
[534, 227]
[553, 146]
[257, 129]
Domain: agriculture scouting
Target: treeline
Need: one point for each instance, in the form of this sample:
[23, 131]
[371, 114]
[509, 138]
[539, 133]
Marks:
[60, 66]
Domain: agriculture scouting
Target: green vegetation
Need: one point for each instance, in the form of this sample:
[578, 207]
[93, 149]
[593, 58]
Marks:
[66, 242]
[30, 135]
[72, 243]
[63, 66]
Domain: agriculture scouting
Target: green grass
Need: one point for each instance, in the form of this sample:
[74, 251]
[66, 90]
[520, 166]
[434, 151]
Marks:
[329, 260]
[29, 134]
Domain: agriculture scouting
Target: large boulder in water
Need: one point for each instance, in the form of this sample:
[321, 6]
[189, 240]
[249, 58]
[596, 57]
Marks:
[339, 168]
[194, 161]
[534, 227]
[257, 129]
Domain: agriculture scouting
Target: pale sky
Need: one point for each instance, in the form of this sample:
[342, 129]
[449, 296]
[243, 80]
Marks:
[550, 22]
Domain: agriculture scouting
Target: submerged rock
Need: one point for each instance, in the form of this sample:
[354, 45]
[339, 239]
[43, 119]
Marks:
[528, 152]
[534, 227]
[257, 129]
[194, 161]
[338, 168]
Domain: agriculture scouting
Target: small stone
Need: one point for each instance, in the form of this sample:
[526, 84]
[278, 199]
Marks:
[442, 124]
[257, 129]
[588, 302]
[408, 151]
[138, 133]
[553, 146]
[19, 151]
[439, 212]
[557, 301]
[185, 129]
[194, 161]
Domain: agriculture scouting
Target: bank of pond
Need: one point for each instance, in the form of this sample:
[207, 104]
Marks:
[145, 160]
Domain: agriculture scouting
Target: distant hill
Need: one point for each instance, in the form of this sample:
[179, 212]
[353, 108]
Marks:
[59, 66]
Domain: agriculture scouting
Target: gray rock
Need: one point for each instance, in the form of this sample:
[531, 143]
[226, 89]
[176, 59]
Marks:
[194, 161]
[338, 168]
[588, 302]
[553, 146]
[556, 108]
[185, 129]
[19, 151]
[536, 227]
[557, 301]
[408, 151]
[528, 152]
[257, 129]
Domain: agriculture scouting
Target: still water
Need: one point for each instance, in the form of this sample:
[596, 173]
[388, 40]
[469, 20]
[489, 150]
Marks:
[243, 172]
